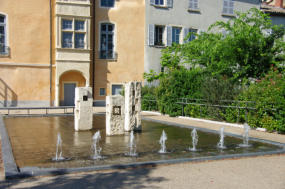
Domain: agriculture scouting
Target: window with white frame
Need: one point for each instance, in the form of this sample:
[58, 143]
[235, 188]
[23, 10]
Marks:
[107, 3]
[193, 5]
[3, 35]
[228, 7]
[107, 41]
[176, 35]
[73, 33]
[158, 35]
[161, 3]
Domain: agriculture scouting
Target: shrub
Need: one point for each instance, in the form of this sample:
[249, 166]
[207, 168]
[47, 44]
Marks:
[269, 95]
[178, 84]
[149, 98]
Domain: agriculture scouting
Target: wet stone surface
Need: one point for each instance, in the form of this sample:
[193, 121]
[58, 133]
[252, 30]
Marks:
[34, 139]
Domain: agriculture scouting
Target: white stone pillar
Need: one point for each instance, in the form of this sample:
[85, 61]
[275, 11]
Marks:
[115, 109]
[83, 113]
[132, 106]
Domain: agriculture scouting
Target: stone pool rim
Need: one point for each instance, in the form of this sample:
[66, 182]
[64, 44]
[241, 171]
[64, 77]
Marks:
[12, 171]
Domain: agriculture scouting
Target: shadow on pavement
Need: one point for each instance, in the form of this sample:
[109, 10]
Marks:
[132, 178]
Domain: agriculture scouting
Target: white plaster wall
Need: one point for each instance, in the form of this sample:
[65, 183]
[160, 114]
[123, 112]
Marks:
[178, 15]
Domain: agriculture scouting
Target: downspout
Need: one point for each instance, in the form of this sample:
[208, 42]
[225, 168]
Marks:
[93, 50]
[50, 49]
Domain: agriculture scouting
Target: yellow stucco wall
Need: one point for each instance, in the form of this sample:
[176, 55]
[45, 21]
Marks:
[28, 31]
[129, 19]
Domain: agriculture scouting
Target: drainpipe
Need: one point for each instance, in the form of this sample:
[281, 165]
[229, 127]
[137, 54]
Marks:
[93, 50]
[50, 67]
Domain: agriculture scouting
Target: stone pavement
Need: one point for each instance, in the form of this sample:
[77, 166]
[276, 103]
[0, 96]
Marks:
[248, 173]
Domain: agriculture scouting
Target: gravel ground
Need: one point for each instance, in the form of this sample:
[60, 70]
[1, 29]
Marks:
[248, 173]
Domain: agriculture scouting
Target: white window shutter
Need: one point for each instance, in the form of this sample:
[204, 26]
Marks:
[169, 3]
[200, 31]
[195, 4]
[151, 34]
[169, 35]
[152, 2]
[191, 4]
[231, 7]
[185, 33]
[225, 6]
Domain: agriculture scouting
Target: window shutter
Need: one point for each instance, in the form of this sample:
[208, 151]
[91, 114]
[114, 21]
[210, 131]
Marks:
[200, 31]
[231, 7]
[169, 35]
[152, 2]
[169, 3]
[225, 7]
[185, 33]
[195, 4]
[191, 4]
[151, 34]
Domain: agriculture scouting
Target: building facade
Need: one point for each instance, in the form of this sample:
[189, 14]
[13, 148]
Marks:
[25, 60]
[169, 21]
[49, 47]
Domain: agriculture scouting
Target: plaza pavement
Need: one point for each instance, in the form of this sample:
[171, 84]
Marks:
[263, 172]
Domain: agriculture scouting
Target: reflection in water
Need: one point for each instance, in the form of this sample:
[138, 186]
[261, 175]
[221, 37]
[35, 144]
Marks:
[34, 142]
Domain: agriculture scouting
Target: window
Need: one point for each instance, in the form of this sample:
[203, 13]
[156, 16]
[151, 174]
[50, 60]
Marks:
[176, 35]
[159, 2]
[117, 89]
[102, 92]
[193, 4]
[228, 7]
[107, 3]
[73, 33]
[192, 35]
[162, 3]
[106, 41]
[3, 47]
[158, 35]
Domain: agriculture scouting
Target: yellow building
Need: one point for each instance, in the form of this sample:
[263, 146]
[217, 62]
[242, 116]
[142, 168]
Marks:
[25, 61]
[119, 45]
[46, 49]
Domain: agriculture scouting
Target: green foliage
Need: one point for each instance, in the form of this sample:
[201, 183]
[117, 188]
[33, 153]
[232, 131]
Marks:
[247, 48]
[149, 98]
[178, 84]
[217, 64]
[269, 95]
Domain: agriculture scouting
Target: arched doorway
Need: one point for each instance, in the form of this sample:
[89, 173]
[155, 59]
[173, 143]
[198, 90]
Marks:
[67, 83]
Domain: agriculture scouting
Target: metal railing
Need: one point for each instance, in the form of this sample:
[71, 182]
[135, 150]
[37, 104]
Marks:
[37, 110]
[240, 106]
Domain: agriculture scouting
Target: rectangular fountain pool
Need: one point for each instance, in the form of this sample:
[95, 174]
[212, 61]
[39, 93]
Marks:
[34, 139]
